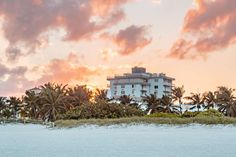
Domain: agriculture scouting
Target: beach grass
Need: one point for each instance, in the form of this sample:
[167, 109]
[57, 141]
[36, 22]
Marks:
[23, 121]
[147, 120]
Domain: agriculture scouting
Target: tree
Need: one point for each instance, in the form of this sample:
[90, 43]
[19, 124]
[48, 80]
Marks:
[54, 101]
[101, 94]
[177, 95]
[125, 99]
[79, 95]
[196, 100]
[153, 103]
[167, 105]
[32, 101]
[2, 104]
[14, 105]
[226, 101]
[209, 99]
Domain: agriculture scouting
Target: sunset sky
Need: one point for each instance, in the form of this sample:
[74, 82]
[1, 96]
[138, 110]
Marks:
[84, 41]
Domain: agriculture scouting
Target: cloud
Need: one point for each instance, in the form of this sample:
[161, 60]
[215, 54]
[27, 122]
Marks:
[15, 80]
[130, 39]
[66, 71]
[3, 70]
[157, 2]
[13, 53]
[103, 7]
[26, 23]
[108, 53]
[208, 27]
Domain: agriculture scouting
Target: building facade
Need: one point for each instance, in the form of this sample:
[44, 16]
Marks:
[140, 83]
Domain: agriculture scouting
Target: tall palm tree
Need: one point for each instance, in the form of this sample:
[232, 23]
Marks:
[54, 101]
[196, 101]
[153, 103]
[177, 95]
[226, 101]
[167, 105]
[14, 105]
[79, 95]
[32, 102]
[2, 104]
[209, 99]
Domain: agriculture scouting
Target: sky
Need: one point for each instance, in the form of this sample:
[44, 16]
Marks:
[85, 41]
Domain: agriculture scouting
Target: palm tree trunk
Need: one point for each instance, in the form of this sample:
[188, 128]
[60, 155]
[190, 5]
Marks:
[180, 106]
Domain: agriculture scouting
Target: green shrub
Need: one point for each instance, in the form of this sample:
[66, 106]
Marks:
[210, 113]
[163, 115]
[189, 114]
[101, 110]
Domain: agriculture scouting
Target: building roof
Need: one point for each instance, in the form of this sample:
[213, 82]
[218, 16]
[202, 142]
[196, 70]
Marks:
[139, 72]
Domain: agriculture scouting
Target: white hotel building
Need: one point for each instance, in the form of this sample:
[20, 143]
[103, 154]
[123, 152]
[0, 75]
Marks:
[140, 83]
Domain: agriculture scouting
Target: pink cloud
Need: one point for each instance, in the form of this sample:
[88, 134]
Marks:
[66, 70]
[57, 70]
[27, 22]
[130, 39]
[210, 27]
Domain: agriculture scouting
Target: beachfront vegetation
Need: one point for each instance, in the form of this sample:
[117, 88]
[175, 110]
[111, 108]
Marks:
[60, 102]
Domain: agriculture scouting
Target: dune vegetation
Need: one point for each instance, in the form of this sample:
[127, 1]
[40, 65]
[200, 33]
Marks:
[69, 107]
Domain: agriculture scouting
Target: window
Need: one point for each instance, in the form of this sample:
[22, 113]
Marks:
[115, 92]
[156, 87]
[122, 92]
[143, 91]
[132, 86]
[132, 91]
[156, 80]
[122, 86]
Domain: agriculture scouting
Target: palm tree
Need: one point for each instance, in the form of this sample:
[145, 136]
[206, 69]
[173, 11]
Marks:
[125, 99]
[167, 105]
[177, 95]
[196, 100]
[79, 95]
[2, 104]
[101, 94]
[54, 101]
[32, 102]
[153, 103]
[226, 101]
[209, 99]
[14, 105]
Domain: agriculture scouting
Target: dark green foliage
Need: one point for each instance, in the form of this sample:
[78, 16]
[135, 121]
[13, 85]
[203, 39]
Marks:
[102, 110]
[196, 100]
[163, 115]
[152, 103]
[125, 99]
[32, 104]
[101, 94]
[2, 105]
[53, 100]
[56, 101]
[177, 95]
[164, 104]
[226, 101]
[14, 105]
[210, 113]
[209, 99]
[79, 95]
[189, 114]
